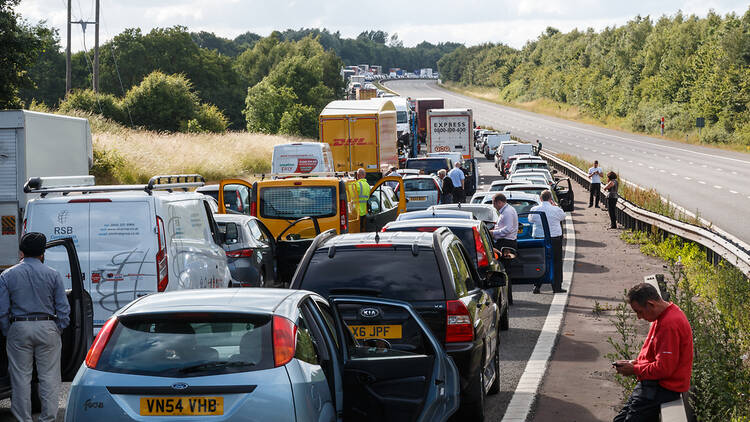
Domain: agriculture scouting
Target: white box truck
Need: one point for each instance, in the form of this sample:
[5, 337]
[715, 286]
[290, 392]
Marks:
[450, 130]
[35, 144]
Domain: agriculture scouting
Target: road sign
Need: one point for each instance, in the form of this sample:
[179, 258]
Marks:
[700, 122]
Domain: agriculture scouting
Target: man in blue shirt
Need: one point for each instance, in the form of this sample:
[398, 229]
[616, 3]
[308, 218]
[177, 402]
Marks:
[457, 177]
[33, 312]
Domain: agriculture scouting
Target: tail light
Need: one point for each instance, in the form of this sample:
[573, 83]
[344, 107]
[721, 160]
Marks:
[482, 260]
[254, 209]
[343, 227]
[426, 229]
[92, 357]
[240, 253]
[162, 271]
[459, 328]
[284, 340]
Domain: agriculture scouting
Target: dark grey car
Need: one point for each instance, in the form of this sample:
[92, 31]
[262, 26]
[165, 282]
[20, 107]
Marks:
[250, 248]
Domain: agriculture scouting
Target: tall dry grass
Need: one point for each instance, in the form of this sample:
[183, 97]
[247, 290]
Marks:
[125, 156]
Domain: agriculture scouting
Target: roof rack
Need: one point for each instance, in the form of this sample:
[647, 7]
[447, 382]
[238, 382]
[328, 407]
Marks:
[85, 184]
[312, 174]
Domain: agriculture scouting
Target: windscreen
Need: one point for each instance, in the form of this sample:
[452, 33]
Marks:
[185, 345]
[293, 202]
[401, 117]
[521, 205]
[531, 166]
[391, 272]
[419, 185]
[429, 166]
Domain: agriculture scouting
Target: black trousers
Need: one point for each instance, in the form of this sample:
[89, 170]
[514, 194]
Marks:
[594, 193]
[612, 209]
[458, 195]
[557, 252]
[644, 405]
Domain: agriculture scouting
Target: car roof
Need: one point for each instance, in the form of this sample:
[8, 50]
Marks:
[412, 215]
[521, 195]
[501, 182]
[397, 238]
[419, 176]
[232, 218]
[266, 300]
[527, 186]
[432, 222]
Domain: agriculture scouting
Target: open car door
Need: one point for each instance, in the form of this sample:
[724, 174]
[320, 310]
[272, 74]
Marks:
[380, 209]
[472, 177]
[79, 334]
[290, 249]
[564, 192]
[242, 197]
[534, 260]
[394, 369]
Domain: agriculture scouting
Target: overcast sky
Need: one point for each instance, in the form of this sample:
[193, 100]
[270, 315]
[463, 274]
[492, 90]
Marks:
[466, 21]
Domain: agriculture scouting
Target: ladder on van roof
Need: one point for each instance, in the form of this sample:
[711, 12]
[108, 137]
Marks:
[85, 184]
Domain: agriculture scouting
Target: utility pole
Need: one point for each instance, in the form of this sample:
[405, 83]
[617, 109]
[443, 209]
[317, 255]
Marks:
[96, 51]
[68, 74]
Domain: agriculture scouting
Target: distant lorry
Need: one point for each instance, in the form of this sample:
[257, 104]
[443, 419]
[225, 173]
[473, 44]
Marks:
[422, 105]
[34, 144]
[450, 130]
[302, 157]
[425, 73]
[403, 119]
[362, 134]
[366, 93]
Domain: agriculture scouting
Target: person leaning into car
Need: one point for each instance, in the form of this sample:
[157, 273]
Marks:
[555, 216]
[505, 232]
[664, 365]
[33, 312]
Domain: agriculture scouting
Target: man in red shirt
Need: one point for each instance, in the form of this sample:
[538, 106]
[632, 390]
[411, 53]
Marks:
[664, 365]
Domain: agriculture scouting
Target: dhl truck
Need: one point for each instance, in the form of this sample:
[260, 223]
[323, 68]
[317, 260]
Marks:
[362, 134]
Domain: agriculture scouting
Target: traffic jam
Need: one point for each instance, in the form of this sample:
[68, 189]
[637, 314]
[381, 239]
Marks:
[359, 280]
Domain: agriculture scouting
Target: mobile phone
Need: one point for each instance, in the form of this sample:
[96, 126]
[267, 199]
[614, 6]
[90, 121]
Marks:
[616, 365]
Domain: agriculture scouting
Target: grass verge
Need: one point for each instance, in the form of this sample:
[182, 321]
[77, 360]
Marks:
[574, 113]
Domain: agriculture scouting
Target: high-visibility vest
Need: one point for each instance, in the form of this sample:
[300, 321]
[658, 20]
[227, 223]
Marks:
[364, 195]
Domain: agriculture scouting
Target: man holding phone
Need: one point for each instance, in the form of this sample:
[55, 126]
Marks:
[595, 174]
[664, 365]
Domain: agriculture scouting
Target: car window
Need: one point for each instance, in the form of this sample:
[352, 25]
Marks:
[256, 232]
[391, 272]
[306, 348]
[521, 205]
[293, 202]
[463, 270]
[325, 310]
[459, 283]
[419, 185]
[169, 345]
[486, 237]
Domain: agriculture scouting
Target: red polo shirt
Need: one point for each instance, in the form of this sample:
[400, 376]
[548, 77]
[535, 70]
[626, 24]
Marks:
[667, 354]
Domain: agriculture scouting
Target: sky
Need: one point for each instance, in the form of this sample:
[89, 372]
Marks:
[471, 22]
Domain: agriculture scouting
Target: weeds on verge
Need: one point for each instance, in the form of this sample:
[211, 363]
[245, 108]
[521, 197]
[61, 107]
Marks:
[625, 345]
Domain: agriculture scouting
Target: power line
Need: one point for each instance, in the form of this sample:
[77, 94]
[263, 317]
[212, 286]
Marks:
[117, 70]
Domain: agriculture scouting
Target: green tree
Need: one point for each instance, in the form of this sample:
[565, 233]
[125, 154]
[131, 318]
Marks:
[162, 102]
[299, 120]
[265, 105]
[21, 45]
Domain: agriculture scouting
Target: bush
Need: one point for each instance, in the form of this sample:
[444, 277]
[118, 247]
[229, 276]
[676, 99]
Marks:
[211, 119]
[162, 102]
[265, 105]
[106, 105]
[299, 120]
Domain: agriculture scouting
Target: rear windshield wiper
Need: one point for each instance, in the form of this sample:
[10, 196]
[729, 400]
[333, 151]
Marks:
[214, 365]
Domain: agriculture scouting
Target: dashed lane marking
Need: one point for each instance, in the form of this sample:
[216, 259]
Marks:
[688, 178]
[701, 182]
[734, 192]
[717, 187]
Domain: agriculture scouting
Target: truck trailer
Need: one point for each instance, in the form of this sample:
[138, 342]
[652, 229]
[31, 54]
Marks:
[362, 134]
[450, 130]
[35, 144]
[422, 105]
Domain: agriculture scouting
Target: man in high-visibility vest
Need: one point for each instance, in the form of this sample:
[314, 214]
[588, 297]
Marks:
[364, 194]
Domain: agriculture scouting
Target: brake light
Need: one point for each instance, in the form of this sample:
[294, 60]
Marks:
[254, 209]
[92, 357]
[343, 227]
[482, 260]
[426, 229]
[284, 340]
[162, 271]
[240, 253]
[459, 327]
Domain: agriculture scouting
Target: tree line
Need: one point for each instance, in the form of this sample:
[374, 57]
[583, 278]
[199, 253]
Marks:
[679, 67]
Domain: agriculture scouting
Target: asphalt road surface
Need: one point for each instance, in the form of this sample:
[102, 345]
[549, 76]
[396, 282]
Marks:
[712, 181]
[527, 317]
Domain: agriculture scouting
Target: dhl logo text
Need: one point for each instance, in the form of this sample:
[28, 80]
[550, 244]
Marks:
[351, 141]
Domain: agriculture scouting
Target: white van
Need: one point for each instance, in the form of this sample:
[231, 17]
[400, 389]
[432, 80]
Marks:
[302, 157]
[507, 150]
[132, 240]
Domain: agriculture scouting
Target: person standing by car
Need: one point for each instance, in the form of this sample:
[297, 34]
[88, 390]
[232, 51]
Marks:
[392, 172]
[446, 185]
[364, 194]
[555, 216]
[595, 174]
[33, 312]
[612, 196]
[665, 363]
[458, 178]
[505, 232]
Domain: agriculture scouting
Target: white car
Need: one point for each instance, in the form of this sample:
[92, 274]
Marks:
[132, 240]
[422, 191]
[484, 212]
[526, 179]
[535, 173]
[498, 185]
[521, 164]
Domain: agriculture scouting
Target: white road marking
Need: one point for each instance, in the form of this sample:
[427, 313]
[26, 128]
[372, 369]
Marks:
[688, 178]
[651, 167]
[717, 187]
[701, 182]
[661, 171]
[674, 174]
[734, 192]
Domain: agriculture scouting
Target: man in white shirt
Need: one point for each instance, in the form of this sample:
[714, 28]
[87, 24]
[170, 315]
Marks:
[505, 232]
[595, 174]
[555, 216]
[457, 177]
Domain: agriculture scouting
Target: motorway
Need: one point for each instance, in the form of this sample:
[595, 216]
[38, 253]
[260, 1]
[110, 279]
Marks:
[709, 180]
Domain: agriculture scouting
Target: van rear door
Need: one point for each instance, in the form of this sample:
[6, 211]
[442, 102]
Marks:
[122, 257]
[363, 144]
[335, 132]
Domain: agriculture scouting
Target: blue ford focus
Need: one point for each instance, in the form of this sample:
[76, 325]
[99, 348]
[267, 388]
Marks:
[262, 355]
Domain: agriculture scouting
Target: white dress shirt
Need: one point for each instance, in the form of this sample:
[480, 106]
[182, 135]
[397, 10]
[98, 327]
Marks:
[507, 224]
[555, 216]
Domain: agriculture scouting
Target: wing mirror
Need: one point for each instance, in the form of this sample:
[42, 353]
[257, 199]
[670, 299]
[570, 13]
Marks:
[497, 279]
[508, 253]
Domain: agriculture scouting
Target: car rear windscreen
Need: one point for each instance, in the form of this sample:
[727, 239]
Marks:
[419, 185]
[293, 202]
[388, 272]
[429, 165]
[401, 117]
[521, 205]
[187, 345]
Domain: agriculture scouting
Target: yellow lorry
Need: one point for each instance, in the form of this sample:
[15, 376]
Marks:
[366, 93]
[362, 134]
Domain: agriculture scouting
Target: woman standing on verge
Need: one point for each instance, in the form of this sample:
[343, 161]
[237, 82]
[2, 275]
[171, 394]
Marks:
[611, 189]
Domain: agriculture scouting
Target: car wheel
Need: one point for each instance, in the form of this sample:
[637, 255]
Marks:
[505, 319]
[262, 279]
[510, 292]
[474, 409]
[495, 387]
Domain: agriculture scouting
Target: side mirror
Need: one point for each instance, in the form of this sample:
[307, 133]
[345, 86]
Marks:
[497, 279]
[231, 235]
[508, 253]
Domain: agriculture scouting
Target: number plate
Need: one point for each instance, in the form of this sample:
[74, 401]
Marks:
[182, 406]
[418, 198]
[375, 331]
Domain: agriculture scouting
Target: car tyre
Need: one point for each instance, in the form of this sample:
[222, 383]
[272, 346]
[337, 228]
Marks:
[262, 279]
[495, 387]
[474, 410]
[510, 292]
[505, 319]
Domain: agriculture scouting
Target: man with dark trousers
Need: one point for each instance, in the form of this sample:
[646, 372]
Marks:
[665, 363]
[555, 216]
[33, 312]
[595, 174]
